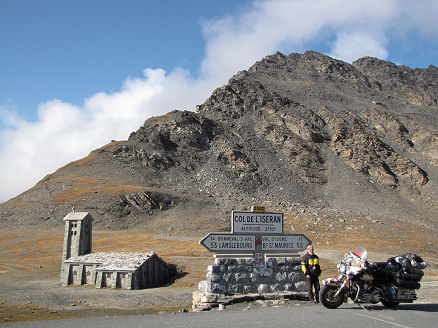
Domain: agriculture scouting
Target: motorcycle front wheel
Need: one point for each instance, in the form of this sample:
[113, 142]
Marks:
[327, 296]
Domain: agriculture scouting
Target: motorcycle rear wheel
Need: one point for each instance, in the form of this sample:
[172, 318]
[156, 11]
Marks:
[327, 296]
[389, 303]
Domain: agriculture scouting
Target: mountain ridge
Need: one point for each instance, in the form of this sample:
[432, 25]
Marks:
[302, 133]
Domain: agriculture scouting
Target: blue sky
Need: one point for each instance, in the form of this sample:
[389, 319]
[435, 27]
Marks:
[70, 50]
[76, 74]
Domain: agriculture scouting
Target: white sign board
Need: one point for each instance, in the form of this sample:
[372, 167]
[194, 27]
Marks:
[227, 243]
[258, 223]
[285, 243]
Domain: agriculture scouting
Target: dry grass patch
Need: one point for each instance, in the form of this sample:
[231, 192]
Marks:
[88, 185]
[30, 252]
[85, 185]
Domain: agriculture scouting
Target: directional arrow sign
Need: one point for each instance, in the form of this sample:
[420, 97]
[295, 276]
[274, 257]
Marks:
[285, 243]
[228, 243]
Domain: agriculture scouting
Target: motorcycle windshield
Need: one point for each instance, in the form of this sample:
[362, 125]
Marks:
[360, 252]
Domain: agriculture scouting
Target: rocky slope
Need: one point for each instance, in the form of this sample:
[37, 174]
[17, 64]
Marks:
[302, 133]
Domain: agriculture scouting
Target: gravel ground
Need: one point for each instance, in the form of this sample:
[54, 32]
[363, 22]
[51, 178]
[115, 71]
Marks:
[30, 289]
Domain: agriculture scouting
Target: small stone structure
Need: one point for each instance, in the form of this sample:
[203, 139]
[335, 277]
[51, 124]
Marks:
[231, 280]
[115, 270]
[257, 260]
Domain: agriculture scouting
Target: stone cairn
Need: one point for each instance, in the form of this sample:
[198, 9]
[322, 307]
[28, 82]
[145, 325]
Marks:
[232, 280]
[245, 267]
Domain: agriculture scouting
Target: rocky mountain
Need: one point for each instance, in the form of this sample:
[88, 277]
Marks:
[302, 133]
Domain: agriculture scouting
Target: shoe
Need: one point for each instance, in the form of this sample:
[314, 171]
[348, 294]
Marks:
[315, 302]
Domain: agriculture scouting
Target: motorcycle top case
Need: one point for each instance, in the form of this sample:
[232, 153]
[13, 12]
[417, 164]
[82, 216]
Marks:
[415, 260]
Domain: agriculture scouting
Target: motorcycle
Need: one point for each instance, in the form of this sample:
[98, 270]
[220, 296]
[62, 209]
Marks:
[391, 283]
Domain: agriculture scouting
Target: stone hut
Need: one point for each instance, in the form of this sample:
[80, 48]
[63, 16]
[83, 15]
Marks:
[115, 270]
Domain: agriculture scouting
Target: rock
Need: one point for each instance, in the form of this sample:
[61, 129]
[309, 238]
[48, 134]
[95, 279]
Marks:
[207, 286]
[263, 288]
[240, 276]
[276, 288]
[214, 269]
[301, 286]
[228, 277]
[235, 289]
[281, 276]
[212, 277]
[294, 277]
[248, 289]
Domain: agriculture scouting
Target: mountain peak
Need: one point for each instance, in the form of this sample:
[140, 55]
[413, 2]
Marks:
[293, 131]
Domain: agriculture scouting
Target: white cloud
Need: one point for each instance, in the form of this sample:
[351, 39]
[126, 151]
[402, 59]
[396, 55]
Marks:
[351, 46]
[237, 42]
[63, 132]
[420, 16]
[8, 116]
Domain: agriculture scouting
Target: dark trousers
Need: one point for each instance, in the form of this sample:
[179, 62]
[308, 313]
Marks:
[313, 283]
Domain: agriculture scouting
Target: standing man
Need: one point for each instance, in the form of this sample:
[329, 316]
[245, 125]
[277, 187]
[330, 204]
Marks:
[310, 267]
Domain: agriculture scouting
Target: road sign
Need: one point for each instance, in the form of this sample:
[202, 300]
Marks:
[234, 243]
[228, 243]
[260, 223]
[285, 243]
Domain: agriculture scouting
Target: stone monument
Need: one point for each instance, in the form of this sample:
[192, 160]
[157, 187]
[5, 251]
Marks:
[255, 261]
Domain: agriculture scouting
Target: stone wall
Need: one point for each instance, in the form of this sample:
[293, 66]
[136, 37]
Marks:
[231, 278]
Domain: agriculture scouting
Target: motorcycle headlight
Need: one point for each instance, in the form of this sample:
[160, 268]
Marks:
[341, 268]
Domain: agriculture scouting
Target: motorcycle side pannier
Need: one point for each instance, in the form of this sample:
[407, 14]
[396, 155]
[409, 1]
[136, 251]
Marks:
[406, 284]
[413, 275]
